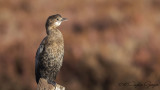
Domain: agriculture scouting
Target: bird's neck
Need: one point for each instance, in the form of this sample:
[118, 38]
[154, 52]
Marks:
[51, 30]
[54, 33]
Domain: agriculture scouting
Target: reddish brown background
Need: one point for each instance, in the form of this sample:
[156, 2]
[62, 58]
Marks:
[106, 42]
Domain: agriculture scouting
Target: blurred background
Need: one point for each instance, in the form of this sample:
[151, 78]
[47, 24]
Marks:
[107, 42]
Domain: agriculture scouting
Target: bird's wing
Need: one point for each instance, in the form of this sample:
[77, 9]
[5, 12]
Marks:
[39, 52]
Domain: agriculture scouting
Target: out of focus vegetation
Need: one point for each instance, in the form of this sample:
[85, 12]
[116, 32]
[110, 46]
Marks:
[106, 42]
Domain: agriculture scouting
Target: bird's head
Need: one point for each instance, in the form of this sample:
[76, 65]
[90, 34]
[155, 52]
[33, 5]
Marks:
[54, 21]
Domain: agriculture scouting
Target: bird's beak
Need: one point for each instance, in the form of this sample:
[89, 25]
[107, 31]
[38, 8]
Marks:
[64, 19]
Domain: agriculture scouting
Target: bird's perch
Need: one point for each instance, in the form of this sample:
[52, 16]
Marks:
[44, 85]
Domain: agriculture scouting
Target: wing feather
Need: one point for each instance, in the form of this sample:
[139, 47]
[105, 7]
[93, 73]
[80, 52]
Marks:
[38, 53]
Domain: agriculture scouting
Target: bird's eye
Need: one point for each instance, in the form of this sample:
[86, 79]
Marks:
[57, 19]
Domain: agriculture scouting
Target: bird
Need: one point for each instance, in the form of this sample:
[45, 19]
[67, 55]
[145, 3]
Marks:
[49, 56]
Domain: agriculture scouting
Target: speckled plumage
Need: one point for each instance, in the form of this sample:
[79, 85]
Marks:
[49, 56]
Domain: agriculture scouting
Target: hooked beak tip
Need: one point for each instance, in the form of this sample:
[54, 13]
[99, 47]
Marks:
[64, 19]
